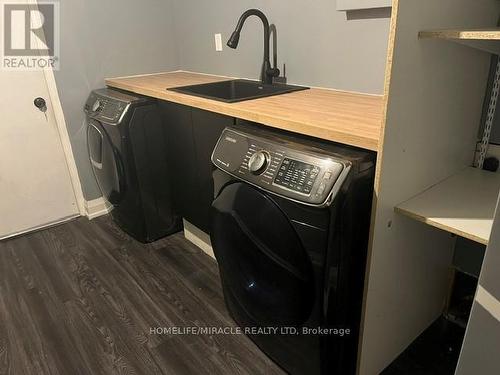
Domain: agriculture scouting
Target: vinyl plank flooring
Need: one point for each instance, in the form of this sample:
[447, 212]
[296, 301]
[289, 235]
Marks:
[159, 273]
[34, 334]
[81, 298]
[110, 290]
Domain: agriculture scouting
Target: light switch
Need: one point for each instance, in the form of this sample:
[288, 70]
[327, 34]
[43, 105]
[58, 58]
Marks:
[218, 42]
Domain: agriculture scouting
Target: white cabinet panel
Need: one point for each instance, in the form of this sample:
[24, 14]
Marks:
[362, 4]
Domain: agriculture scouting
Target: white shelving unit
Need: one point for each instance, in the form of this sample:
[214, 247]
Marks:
[467, 204]
[362, 4]
[463, 204]
[434, 94]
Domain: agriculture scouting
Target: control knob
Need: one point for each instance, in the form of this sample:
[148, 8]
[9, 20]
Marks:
[258, 162]
[96, 106]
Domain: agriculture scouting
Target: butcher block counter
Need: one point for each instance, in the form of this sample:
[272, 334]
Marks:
[344, 117]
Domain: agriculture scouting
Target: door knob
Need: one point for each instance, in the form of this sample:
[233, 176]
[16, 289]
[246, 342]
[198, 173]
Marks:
[40, 104]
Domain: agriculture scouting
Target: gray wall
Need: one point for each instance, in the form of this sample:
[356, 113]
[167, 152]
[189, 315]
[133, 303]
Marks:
[320, 46]
[104, 39]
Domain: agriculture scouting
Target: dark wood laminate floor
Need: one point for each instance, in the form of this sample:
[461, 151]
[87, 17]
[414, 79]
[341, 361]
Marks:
[81, 298]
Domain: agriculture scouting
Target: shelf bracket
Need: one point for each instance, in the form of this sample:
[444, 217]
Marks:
[490, 116]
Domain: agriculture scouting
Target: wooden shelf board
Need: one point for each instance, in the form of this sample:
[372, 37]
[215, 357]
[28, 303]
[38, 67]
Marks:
[463, 204]
[484, 39]
[469, 34]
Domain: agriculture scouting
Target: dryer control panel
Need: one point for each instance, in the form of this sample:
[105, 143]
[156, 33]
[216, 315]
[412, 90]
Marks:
[284, 168]
[108, 106]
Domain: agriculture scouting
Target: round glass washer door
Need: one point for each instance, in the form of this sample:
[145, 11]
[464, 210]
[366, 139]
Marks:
[106, 163]
[261, 258]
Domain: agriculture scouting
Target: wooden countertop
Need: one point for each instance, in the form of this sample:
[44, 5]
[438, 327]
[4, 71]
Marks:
[345, 117]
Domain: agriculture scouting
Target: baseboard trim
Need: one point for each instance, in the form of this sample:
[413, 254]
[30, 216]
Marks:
[97, 207]
[40, 227]
[199, 238]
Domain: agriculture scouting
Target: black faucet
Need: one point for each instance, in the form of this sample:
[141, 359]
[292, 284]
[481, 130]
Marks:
[267, 73]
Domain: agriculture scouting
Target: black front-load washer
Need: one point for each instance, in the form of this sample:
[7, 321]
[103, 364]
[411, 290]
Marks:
[290, 224]
[127, 151]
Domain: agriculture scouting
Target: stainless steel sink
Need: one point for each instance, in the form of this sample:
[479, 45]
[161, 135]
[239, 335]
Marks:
[236, 90]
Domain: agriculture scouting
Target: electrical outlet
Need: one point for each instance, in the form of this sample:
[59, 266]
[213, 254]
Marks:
[218, 42]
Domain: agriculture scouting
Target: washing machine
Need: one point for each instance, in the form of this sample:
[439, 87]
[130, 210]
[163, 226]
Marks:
[290, 223]
[127, 150]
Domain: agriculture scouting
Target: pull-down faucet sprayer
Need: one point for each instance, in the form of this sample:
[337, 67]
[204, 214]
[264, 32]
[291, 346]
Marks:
[268, 72]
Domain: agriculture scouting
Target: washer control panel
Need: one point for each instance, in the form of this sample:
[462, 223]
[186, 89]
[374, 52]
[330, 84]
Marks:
[297, 175]
[108, 105]
[286, 169]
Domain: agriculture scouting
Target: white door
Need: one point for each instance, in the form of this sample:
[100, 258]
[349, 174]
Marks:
[35, 184]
